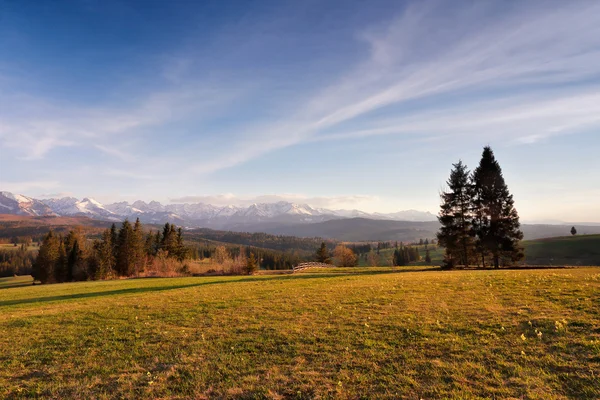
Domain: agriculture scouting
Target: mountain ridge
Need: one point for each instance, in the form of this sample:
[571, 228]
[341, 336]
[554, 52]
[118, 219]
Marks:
[194, 215]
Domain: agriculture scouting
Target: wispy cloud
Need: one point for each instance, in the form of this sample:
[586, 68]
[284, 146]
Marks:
[34, 126]
[433, 70]
[518, 119]
[475, 55]
[27, 186]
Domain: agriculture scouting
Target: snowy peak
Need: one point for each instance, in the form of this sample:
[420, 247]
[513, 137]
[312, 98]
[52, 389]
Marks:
[227, 211]
[195, 214]
[272, 210]
[352, 214]
[123, 208]
[22, 205]
[153, 206]
[87, 207]
[409, 215]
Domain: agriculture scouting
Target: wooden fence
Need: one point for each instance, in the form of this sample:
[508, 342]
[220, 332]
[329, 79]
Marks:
[306, 265]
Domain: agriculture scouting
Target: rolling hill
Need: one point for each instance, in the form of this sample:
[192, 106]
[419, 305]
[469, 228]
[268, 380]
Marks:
[364, 229]
[565, 250]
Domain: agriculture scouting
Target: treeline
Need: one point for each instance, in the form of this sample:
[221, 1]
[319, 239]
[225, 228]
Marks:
[125, 252]
[265, 258]
[18, 261]
[403, 255]
[343, 256]
[480, 225]
[262, 240]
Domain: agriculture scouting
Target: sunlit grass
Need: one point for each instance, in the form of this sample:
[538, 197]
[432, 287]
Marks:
[17, 281]
[357, 333]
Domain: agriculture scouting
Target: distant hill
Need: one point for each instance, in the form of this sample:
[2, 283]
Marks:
[363, 229]
[20, 225]
[535, 231]
[565, 250]
[347, 229]
[360, 229]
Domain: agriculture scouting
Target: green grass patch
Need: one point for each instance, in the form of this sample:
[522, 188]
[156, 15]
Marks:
[407, 332]
[567, 250]
[8, 246]
[15, 281]
[386, 256]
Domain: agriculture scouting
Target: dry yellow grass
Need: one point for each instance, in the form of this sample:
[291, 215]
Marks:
[356, 333]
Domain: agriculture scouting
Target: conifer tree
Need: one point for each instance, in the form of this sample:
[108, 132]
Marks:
[74, 244]
[149, 244]
[180, 250]
[251, 264]
[43, 268]
[401, 256]
[60, 268]
[323, 254]
[139, 255]
[74, 260]
[496, 221]
[427, 257]
[573, 231]
[125, 261]
[456, 232]
[105, 257]
[114, 240]
[169, 240]
[157, 242]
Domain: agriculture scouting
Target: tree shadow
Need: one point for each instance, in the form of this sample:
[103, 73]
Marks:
[139, 290]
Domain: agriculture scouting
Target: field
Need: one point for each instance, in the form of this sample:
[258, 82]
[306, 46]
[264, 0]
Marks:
[8, 246]
[337, 333]
[568, 250]
[6, 283]
[386, 255]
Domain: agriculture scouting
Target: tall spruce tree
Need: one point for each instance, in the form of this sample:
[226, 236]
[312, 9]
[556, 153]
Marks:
[114, 240]
[125, 260]
[138, 243]
[496, 221]
[105, 257]
[60, 268]
[456, 233]
[323, 254]
[45, 262]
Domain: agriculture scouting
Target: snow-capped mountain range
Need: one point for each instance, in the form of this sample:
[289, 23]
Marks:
[190, 215]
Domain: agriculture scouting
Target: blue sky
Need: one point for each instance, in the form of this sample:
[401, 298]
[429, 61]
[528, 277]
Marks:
[339, 104]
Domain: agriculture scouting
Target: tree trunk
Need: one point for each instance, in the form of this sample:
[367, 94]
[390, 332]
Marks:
[496, 261]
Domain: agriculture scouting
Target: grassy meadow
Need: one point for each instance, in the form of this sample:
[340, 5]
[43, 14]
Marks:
[9, 246]
[566, 250]
[411, 332]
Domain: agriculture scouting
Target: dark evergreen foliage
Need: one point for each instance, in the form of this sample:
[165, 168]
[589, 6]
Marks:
[427, 256]
[495, 220]
[251, 264]
[123, 252]
[456, 232]
[478, 216]
[323, 254]
[16, 262]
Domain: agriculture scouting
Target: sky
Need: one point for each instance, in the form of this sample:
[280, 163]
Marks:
[338, 104]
